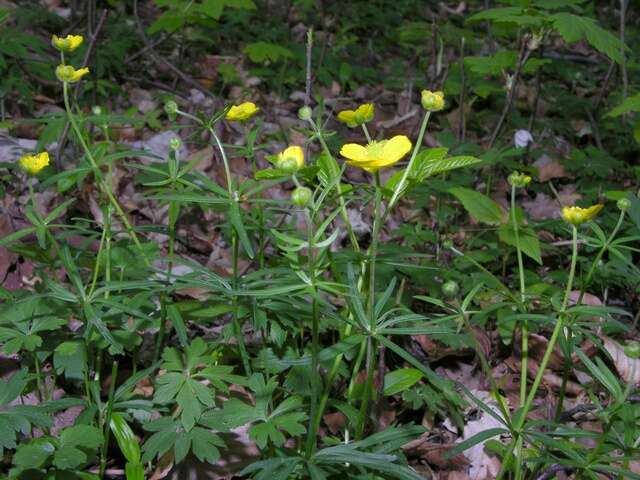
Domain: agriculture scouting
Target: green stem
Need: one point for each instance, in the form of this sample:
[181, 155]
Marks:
[343, 209]
[315, 342]
[371, 348]
[401, 184]
[552, 342]
[366, 132]
[525, 329]
[599, 256]
[567, 364]
[233, 197]
[96, 171]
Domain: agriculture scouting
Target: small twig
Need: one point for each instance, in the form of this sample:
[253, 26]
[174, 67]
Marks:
[553, 470]
[605, 85]
[536, 100]
[146, 48]
[462, 120]
[594, 129]
[87, 56]
[623, 65]
[161, 60]
[434, 54]
[522, 59]
[307, 97]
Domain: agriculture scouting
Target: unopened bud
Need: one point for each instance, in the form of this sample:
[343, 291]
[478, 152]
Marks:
[301, 196]
[171, 108]
[518, 179]
[450, 289]
[305, 113]
[624, 204]
[175, 144]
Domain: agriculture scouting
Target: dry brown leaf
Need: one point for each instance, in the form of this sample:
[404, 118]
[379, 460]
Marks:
[549, 168]
[627, 367]
[482, 465]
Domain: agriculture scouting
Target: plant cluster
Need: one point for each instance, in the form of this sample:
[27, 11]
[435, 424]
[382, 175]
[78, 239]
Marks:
[162, 359]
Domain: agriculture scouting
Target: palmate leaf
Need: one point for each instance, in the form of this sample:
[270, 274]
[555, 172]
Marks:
[574, 28]
[629, 105]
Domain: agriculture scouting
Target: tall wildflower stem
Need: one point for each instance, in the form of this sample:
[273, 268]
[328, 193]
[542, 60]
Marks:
[402, 183]
[371, 348]
[104, 186]
[315, 341]
[343, 208]
[525, 326]
[233, 198]
[522, 414]
[583, 287]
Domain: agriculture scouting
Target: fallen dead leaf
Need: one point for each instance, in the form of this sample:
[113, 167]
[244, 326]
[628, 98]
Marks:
[627, 367]
[549, 168]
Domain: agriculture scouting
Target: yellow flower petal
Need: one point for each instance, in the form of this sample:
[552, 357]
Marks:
[33, 164]
[348, 117]
[68, 43]
[577, 215]
[363, 114]
[354, 152]
[293, 154]
[242, 112]
[66, 73]
[396, 148]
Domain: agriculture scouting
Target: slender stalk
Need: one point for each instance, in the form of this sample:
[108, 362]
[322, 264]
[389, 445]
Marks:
[599, 256]
[343, 209]
[517, 429]
[366, 132]
[371, 348]
[314, 421]
[401, 184]
[525, 329]
[96, 171]
[233, 197]
[107, 419]
[567, 364]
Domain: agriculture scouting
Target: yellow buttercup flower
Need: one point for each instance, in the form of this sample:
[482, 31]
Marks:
[376, 155]
[32, 164]
[242, 112]
[432, 101]
[576, 215]
[291, 159]
[68, 43]
[353, 118]
[66, 73]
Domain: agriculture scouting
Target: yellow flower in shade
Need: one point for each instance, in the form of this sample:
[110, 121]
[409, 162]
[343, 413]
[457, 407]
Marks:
[353, 118]
[576, 215]
[32, 164]
[242, 112]
[291, 159]
[432, 101]
[68, 43]
[376, 155]
[66, 73]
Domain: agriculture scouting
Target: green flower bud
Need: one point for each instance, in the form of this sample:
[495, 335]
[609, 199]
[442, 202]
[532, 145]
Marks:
[175, 143]
[305, 113]
[301, 196]
[518, 179]
[171, 108]
[450, 289]
[447, 244]
[624, 204]
[96, 110]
